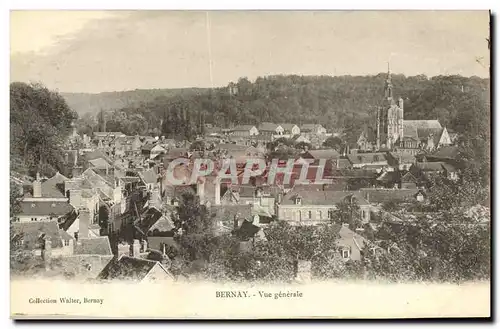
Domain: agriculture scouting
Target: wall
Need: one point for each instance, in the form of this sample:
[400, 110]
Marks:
[26, 219]
[157, 274]
[300, 214]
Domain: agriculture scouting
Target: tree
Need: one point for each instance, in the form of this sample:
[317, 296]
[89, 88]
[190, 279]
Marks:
[15, 194]
[347, 212]
[333, 142]
[197, 146]
[40, 122]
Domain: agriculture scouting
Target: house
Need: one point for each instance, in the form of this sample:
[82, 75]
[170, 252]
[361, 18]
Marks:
[316, 155]
[389, 179]
[110, 135]
[408, 181]
[152, 222]
[423, 134]
[426, 169]
[316, 207]
[271, 129]
[127, 145]
[290, 129]
[445, 154]
[365, 141]
[125, 268]
[401, 160]
[258, 196]
[39, 236]
[301, 139]
[361, 160]
[245, 131]
[312, 128]
[151, 151]
[150, 178]
[42, 210]
[93, 246]
[228, 217]
[378, 196]
[351, 244]
[80, 224]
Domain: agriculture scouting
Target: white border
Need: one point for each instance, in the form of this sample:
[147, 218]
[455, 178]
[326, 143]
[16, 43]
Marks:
[200, 5]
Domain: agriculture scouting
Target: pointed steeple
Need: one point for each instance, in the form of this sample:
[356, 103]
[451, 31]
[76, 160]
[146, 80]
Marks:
[388, 83]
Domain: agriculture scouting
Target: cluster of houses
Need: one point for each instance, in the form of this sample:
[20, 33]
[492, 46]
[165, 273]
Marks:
[260, 135]
[113, 211]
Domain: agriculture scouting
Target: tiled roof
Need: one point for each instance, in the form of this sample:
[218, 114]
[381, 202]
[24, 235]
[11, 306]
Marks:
[384, 195]
[421, 124]
[99, 163]
[287, 126]
[231, 147]
[309, 126]
[93, 246]
[321, 197]
[54, 187]
[323, 154]
[430, 166]
[360, 158]
[390, 177]
[45, 208]
[150, 218]
[128, 268]
[405, 157]
[32, 233]
[149, 176]
[67, 220]
[268, 126]
[445, 152]
[227, 212]
[242, 128]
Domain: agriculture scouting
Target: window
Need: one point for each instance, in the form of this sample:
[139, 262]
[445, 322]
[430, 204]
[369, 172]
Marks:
[375, 158]
[298, 200]
[318, 214]
[66, 243]
[330, 214]
[345, 253]
[309, 214]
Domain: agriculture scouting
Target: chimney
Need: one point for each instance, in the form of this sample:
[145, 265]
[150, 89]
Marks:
[217, 192]
[75, 198]
[144, 245]
[163, 248]
[123, 249]
[135, 248]
[75, 158]
[37, 187]
[84, 223]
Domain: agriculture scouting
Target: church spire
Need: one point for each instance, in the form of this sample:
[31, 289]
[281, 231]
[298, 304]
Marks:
[388, 83]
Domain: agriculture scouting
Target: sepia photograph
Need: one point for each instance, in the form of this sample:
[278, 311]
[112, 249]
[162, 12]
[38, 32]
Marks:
[251, 164]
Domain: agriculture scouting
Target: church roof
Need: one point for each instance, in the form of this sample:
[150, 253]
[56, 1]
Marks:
[422, 124]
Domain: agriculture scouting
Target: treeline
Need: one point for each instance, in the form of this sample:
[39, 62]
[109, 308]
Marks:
[40, 122]
[346, 102]
[448, 248]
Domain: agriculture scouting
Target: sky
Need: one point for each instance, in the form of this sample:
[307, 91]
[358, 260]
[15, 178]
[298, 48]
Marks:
[98, 51]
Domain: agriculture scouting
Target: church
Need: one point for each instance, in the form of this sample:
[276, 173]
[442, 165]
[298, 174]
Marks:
[395, 133]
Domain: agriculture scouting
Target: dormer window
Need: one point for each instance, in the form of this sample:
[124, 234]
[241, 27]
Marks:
[298, 200]
[33, 205]
[53, 205]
